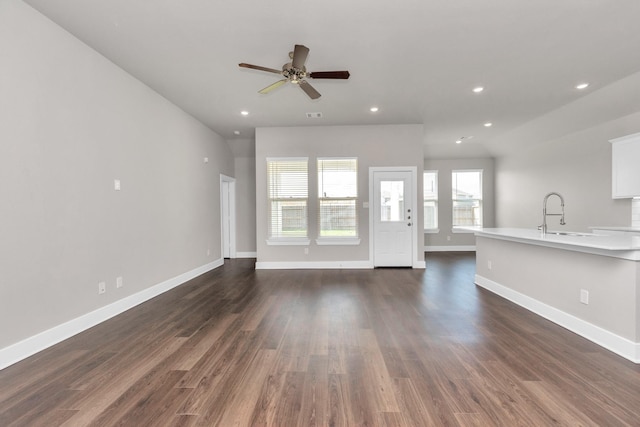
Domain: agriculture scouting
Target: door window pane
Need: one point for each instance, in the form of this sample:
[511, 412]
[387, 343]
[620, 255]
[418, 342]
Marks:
[391, 201]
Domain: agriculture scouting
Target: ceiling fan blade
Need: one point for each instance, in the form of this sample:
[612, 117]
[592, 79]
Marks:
[257, 67]
[329, 75]
[309, 90]
[300, 53]
[273, 86]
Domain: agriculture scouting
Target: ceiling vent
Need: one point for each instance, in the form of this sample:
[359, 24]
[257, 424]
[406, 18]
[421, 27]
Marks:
[314, 115]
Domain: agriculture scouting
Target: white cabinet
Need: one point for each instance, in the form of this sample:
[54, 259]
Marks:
[625, 166]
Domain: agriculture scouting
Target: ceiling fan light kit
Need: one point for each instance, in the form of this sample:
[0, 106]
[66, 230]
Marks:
[295, 72]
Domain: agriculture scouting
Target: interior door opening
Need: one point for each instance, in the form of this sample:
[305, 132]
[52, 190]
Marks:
[228, 216]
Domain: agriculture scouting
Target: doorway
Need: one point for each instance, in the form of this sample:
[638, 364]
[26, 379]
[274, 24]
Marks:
[228, 216]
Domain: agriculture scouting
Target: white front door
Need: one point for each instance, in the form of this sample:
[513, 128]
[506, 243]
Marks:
[393, 219]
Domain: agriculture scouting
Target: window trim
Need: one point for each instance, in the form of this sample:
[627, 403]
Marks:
[285, 240]
[436, 229]
[338, 241]
[333, 240]
[467, 228]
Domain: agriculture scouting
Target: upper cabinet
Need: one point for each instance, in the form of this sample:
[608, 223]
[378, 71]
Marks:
[626, 166]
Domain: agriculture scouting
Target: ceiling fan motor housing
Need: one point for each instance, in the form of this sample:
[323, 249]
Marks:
[293, 74]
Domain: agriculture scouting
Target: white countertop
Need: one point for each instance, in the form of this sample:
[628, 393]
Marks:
[618, 246]
[632, 229]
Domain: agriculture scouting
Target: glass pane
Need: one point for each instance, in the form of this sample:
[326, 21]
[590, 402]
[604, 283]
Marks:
[289, 218]
[287, 179]
[466, 185]
[430, 185]
[467, 213]
[391, 201]
[338, 218]
[430, 214]
[337, 178]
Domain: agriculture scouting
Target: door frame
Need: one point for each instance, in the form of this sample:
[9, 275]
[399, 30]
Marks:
[228, 204]
[416, 262]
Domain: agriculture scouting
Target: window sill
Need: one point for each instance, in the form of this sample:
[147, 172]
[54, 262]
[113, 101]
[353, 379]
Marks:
[431, 231]
[337, 241]
[468, 229]
[300, 241]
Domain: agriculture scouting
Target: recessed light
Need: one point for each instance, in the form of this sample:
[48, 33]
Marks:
[244, 113]
[488, 124]
[458, 141]
[236, 132]
[374, 109]
[478, 89]
[582, 86]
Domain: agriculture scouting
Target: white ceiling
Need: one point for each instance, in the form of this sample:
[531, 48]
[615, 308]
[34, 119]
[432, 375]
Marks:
[417, 60]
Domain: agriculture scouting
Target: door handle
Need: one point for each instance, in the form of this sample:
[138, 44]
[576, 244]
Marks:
[408, 224]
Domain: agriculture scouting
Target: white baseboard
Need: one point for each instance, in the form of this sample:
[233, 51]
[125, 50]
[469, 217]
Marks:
[615, 343]
[468, 248]
[246, 254]
[320, 265]
[292, 265]
[32, 345]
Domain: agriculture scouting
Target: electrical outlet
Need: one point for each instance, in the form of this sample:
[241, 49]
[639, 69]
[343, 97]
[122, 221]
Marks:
[102, 288]
[119, 282]
[584, 296]
[208, 251]
[448, 238]
[306, 251]
[116, 185]
[489, 264]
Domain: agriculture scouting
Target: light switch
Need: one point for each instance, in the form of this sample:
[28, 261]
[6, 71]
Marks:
[584, 296]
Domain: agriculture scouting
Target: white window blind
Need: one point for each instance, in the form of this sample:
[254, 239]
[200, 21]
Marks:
[430, 195]
[466, 186]
[337, 197]
[287, 181]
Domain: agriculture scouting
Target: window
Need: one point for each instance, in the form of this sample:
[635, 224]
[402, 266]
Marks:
[466, 188]
[430, 192]
[337, 197]
[288, 192]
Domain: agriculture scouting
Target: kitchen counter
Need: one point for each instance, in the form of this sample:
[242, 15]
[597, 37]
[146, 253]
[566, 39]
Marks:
[617, 228]
[625, 246]
[588, 283]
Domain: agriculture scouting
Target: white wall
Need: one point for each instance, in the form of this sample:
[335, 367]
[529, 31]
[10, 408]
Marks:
[245, 170]
[70, 123]
[578, 166]
[385, 145]
[568, 151]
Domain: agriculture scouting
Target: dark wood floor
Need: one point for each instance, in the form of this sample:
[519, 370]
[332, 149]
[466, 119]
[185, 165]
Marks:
[384, 347]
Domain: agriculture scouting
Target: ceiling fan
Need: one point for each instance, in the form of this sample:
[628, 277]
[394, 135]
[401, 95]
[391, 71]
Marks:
[295, 72]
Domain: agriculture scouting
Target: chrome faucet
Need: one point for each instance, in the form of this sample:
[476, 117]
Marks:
[543, 227]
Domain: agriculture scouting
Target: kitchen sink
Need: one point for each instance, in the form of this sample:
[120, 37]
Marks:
[570, 233]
